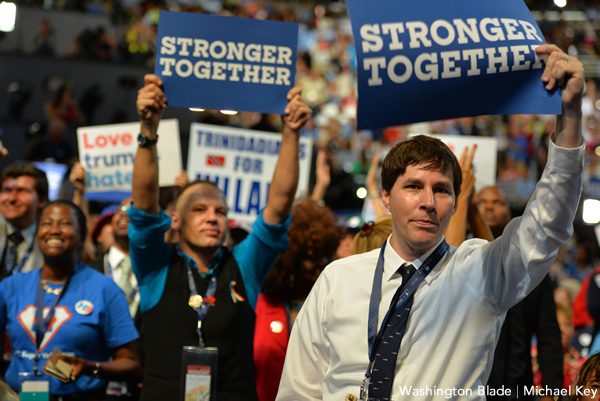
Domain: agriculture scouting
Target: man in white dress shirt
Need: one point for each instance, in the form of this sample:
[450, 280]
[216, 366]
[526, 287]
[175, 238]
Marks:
[458, 309]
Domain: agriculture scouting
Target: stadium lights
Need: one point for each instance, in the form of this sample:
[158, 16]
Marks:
[196, 109]
[228, 112]
[560, 3]
[591, 211]
[353, 222]
[361, 193]
[8, 15]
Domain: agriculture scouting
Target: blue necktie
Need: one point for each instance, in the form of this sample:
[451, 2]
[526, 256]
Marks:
[384, 366]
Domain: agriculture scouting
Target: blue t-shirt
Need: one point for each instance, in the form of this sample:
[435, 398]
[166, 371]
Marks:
[150, 255]
[91, 318]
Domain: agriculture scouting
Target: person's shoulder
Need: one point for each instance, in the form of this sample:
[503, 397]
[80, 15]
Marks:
[468, 249]
[20, 280]
[469, 245]
[100, 280]
[359, 261]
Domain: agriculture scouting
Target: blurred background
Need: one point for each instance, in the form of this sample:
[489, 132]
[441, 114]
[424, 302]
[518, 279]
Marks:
[70, 63]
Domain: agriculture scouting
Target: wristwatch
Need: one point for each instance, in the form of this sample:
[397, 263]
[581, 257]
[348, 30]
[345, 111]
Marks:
[96, 371]
[145, 142]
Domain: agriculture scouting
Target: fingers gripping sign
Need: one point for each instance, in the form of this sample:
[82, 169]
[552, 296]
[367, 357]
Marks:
[563, 71]
[151, 101]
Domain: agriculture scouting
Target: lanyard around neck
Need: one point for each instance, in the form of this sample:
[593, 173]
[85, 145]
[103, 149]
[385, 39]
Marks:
[214, 268]
[24, 259]
[42, 324]
[410, 287]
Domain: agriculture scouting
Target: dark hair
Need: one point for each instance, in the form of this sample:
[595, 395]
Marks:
[313, 241]
[421, 149]
[79, 216]
[20, 169]
[589, 370]
[195, 182]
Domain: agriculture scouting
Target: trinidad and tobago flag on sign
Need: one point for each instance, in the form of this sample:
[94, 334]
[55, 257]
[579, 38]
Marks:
[215, 160]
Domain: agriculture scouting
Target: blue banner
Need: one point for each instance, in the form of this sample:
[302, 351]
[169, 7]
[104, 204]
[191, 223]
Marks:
[435, 59]
[230, 63]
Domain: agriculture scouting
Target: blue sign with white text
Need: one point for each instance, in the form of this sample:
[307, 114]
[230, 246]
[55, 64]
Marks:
[230, 63]
[436, 59]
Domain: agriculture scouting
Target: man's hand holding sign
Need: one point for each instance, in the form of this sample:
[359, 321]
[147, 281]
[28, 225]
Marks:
[567, 72]
[433, 60]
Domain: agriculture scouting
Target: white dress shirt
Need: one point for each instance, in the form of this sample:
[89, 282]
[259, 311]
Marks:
[113, 267]
[448, 347]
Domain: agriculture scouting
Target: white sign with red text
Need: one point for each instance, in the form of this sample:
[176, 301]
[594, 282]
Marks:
[106, 152]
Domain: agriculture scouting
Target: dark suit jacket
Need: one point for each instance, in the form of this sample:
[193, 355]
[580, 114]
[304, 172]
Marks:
[534, 316]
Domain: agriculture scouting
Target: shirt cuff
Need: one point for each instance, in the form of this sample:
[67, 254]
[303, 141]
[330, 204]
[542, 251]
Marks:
[566, 159]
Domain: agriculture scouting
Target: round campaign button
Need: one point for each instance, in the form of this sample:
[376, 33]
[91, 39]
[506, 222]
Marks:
[84, 307]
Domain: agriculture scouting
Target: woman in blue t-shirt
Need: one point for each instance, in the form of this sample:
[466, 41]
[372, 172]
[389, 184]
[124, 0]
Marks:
[85, 314]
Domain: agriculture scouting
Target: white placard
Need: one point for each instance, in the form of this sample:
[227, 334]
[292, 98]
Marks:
[241, 162]
[107, 152]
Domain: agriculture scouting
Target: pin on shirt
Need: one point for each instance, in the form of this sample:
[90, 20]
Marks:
[84, 307]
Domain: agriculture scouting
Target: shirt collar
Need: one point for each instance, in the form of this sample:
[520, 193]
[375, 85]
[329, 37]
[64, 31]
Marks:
[115, 256]
[28, 233]
[393, 261]
[189, 261]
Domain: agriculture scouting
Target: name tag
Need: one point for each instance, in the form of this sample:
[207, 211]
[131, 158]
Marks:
[200, 370]
[35, 390]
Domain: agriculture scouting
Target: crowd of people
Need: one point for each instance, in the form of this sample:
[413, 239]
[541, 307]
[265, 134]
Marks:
[186, 276]
[326, 73]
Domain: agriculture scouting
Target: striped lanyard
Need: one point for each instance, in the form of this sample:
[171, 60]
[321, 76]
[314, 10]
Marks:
[201, 304]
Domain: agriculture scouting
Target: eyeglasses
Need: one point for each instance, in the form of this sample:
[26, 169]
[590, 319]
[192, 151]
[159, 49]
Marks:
[124, 208]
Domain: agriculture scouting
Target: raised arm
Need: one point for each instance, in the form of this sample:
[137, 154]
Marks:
[77, 178]
[151, 103]
[322, 175]
[528, 245]
[565, 71]
[466, 213]
[373, 188]
[287, 170]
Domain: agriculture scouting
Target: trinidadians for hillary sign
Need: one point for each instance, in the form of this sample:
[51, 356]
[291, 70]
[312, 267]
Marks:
[435, 59]
[241, 162]
[107, 153]
[231, 63]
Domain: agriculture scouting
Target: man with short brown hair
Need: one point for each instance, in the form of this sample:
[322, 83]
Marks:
[23, 193]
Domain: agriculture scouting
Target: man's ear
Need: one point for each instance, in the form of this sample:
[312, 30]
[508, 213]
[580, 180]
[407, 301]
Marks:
[175, 221]
[385, 197]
